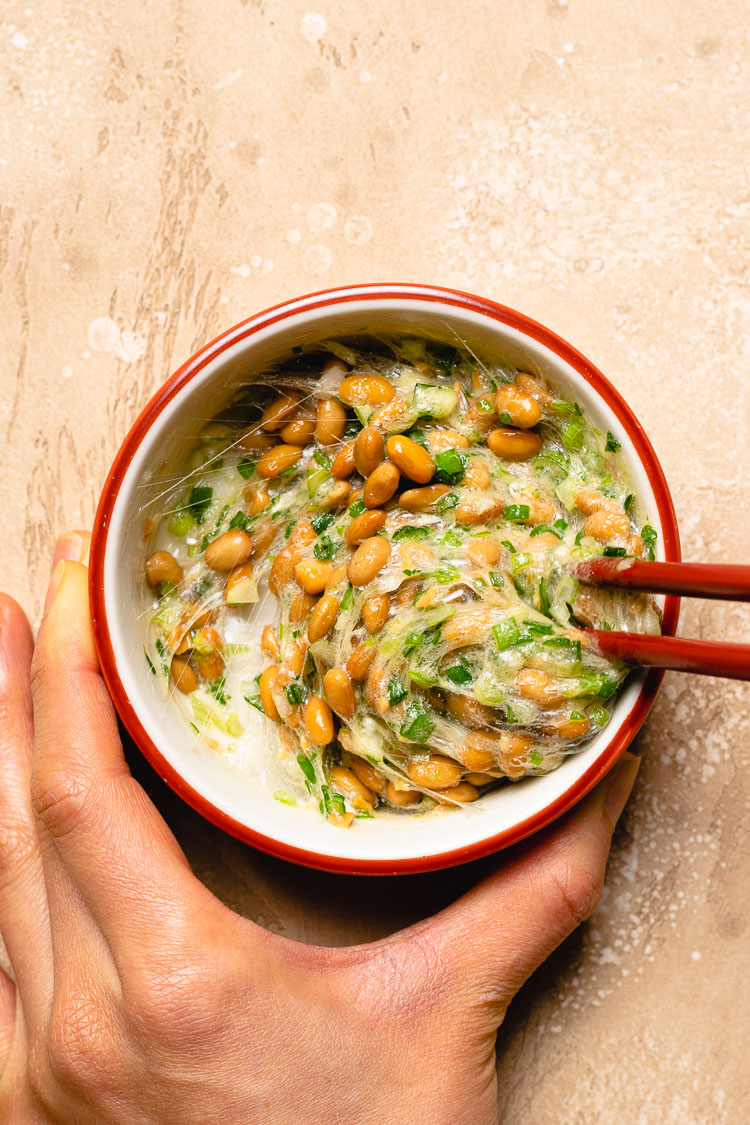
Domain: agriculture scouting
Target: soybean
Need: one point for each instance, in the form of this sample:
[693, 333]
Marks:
[380, 485]
[412, 460]
[339, 692]
[163, 567]
[368, 560]
[229, 550]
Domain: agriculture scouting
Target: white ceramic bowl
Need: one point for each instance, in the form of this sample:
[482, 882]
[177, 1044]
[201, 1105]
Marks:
[245, 806]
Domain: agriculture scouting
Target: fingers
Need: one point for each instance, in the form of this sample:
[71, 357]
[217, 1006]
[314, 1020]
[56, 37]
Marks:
[122, 858]
[24, 916]
[500, 932]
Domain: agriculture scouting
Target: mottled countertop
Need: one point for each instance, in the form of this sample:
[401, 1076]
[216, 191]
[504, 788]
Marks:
[170, 168]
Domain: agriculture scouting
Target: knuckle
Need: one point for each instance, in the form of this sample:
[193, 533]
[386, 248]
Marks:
[61, 802]
[174, 1006]
[80, 1050]
[577, 889]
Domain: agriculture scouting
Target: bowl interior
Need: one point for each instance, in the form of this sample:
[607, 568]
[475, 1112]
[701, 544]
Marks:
[238, 793]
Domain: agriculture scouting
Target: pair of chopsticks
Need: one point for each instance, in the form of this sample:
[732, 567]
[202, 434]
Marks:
[703, 580]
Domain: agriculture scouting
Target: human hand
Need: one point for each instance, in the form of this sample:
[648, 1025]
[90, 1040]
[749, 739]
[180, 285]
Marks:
[140, 998]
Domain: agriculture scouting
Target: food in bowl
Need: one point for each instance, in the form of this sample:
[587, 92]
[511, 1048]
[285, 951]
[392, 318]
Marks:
[373, 548]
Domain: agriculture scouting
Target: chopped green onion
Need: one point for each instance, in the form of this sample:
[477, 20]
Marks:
[450, 466]
[544, 603]
[321, 522]
[417, 725]
[284, 798]
[508, 546]
[510, 715]
[166, 588]
[497, 580]
[150, 662]
[450, 539]
[199, 501]
[444, 575]
[539, 628]
[577, 717]
[356, 509]
[628, 502]
[322, 458]
[445, 503]
[572, 436]
[598, 715]
[396, 692]
[324, 549]
[484, 405]
[246, 467]
[421, 680]
[505, 418]
[180, 524]
[542, 527]
[569, 409]
[516, 513]
[459, 673]
[254, 701]
[238, 520]
[216, 687]
[307, 767]
[347, 599]
[649, 537]
[506, 634]
[295, 693]
[614, 552]
[410, 532]
[519, 561]
[612, 444]
[536, 757]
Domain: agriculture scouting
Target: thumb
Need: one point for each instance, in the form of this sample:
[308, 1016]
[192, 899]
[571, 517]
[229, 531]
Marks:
[498, 933]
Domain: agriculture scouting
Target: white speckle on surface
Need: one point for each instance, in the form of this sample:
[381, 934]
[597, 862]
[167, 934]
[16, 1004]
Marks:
[293, 236]
[19, 40]
[312, 27]
[131, 346]
[296, 208]
[365, 76]
[357, 229]
[240, 271]
[321, 216]
[66, 372]
[267, 266]
[256, 261]
[695, 955]
[317, 258]
[103, 334]
[228, 79]
[442, 77]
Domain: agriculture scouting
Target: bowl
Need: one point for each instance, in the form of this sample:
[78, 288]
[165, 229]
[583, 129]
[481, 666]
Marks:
[245, 807]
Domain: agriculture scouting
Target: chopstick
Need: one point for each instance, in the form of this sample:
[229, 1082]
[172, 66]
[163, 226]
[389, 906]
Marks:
[680, 654]
[701, 580]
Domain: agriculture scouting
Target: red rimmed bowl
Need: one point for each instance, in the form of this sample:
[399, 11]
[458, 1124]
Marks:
[244, 805]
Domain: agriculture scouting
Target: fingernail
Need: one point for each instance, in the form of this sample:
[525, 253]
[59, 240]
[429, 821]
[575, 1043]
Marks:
[72, 546]
[54, 585]
[621, 780]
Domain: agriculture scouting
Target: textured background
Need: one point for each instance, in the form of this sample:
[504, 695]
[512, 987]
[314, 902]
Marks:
[168, 168]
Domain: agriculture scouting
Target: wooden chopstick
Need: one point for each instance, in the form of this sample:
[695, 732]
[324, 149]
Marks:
[701, 580]
[705, 658]
[680, 654]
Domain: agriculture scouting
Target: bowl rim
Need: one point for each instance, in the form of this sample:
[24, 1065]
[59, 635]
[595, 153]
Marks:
[139, 430]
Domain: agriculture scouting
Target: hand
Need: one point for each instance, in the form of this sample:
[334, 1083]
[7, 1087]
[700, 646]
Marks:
[140, 998]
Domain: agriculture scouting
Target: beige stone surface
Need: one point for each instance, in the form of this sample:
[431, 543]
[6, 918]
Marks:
[168, 168]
